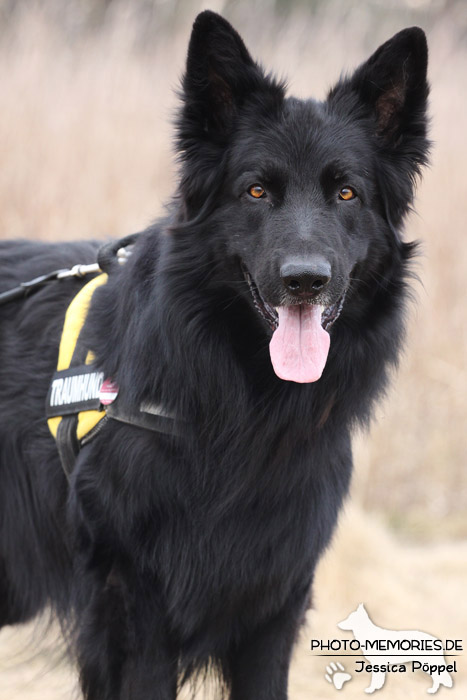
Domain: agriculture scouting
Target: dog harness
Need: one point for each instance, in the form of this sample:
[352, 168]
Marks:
[80, 399]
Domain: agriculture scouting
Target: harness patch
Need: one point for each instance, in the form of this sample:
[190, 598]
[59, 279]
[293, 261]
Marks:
[73, 390]
[108, 392]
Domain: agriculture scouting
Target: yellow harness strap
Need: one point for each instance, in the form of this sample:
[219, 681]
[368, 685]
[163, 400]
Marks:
[74, 320]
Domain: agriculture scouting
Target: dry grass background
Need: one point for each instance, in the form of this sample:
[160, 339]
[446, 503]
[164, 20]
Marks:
[85, 150]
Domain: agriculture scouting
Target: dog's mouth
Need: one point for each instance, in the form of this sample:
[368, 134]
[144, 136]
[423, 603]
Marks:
[264, 309]
[300, 341]
[329, 314]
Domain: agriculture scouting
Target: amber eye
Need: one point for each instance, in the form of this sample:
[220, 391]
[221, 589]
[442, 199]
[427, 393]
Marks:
[347, 193]
[256, 191]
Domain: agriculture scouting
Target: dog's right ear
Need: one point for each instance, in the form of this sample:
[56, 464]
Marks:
[220, 77]
[221, 81]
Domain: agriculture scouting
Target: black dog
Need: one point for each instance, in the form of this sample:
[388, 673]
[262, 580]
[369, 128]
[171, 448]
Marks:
[263, 316]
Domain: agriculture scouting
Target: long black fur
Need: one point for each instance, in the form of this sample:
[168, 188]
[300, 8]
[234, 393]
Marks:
[176, 554]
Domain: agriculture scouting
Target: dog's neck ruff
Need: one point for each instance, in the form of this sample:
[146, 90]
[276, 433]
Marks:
[80, 399]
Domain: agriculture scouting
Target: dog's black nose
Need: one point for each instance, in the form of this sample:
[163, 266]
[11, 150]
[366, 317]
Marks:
[306, 277]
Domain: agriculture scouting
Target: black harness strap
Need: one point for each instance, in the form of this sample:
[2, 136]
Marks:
[148, 417]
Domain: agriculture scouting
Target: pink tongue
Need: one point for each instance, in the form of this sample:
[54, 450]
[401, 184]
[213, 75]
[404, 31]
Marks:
[300, 345]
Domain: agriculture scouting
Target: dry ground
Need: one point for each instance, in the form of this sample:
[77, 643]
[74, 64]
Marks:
[85, 150]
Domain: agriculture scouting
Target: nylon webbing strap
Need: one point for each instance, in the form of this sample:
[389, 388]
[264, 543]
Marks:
[148, 417]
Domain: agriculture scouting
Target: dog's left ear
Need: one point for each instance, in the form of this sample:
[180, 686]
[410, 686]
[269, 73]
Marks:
[393, 85]
[390, 91]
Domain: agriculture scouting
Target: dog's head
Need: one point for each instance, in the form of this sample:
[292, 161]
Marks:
[355, 620]
[305, 198]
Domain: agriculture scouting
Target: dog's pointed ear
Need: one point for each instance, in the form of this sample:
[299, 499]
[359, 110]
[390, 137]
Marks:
[220, 76]
[392, 86]
[221, 82]
[389, 93]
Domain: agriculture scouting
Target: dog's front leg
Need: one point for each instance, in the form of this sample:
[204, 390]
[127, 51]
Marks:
[377, 681]
[123, 651]
[150, 674]
[260, 666]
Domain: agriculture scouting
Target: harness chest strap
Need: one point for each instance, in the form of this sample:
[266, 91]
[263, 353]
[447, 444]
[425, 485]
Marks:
[80, 400]
[70, 355]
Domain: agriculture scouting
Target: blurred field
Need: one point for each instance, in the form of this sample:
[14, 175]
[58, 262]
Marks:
[85, 150]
